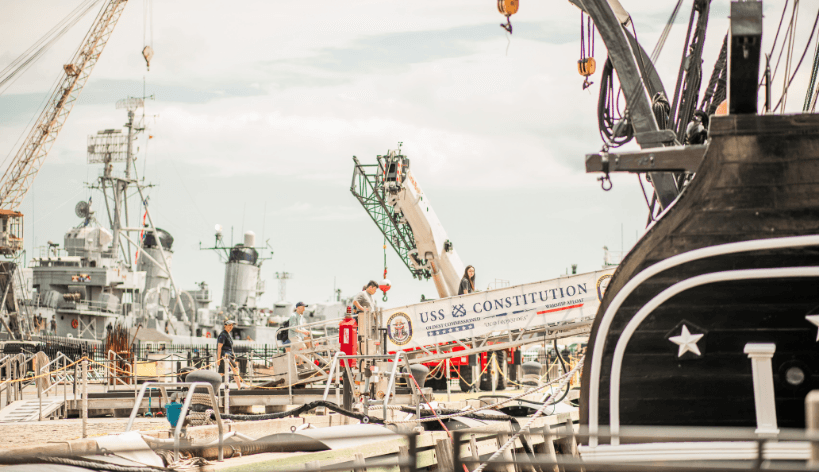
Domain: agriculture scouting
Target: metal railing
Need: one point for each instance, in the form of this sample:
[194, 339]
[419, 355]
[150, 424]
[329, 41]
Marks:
[192, 386]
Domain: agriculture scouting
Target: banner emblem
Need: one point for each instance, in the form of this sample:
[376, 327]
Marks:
[399, 328]
[602, 285]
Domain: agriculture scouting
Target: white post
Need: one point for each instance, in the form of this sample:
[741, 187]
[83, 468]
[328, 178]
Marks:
[448, 392]
[84, 398]
[812, 424]
[493, 373]
[226, 363]
[39, 394]
[764, 400]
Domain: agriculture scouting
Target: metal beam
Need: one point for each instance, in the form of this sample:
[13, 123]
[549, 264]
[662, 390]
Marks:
[669, 159]
[640, 112]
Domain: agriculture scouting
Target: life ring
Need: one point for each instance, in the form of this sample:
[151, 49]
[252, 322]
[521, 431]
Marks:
[207, 334]
[75, 323]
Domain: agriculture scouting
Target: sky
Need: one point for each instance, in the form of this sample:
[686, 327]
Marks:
[257, 111]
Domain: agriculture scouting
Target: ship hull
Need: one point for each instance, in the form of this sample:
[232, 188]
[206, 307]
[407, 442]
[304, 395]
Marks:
[684, 361]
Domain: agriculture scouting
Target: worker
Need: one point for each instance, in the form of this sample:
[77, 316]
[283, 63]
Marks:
[224, 348]
[468, 281]
[364, 301]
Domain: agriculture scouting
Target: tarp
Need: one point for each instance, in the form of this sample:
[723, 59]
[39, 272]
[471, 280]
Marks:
[527, 306]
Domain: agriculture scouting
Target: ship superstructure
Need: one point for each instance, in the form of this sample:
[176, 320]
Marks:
[112, 274]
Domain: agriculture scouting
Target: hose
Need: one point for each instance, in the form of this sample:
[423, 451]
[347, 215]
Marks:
[565, 370]
[303, 409]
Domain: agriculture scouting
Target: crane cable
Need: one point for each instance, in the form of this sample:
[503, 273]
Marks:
[12, 71]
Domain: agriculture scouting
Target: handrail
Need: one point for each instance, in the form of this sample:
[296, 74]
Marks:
[192, 386]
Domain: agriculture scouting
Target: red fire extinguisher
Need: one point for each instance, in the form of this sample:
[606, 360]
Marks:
[348, 338]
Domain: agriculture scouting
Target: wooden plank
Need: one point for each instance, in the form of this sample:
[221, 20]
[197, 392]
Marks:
[443, 456]
[669, 159]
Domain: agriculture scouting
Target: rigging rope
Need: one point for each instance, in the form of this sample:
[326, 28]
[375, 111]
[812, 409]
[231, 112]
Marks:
[12, 71]
[782, 49]
[658, 48]
[715, 91]
[810, 101]
[788, 84]
[776, 36]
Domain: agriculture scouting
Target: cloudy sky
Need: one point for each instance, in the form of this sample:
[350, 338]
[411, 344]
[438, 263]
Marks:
[259, 107]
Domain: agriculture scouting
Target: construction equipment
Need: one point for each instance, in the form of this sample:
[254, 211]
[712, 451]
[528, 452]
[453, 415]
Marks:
[402, 212]
[26, 163]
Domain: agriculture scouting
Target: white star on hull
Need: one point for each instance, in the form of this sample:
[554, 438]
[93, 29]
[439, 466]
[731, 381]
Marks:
[688, 341]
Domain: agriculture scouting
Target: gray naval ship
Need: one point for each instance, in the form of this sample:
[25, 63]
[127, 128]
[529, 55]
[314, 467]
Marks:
[120, 273]
[243, 288]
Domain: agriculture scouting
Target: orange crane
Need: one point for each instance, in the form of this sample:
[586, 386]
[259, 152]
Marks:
[28, 160]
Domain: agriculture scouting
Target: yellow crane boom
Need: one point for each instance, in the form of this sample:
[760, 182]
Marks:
[26, 163]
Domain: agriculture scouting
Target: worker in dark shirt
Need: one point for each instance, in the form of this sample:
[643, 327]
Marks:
[224, 349]
[468, 281]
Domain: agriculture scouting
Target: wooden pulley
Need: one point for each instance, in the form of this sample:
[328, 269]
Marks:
[586, 67]
[508, 7]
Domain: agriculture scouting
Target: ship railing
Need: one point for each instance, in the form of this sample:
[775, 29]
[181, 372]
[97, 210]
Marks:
[111, 374]
[95, 306]
[60, 378]
[15, 367]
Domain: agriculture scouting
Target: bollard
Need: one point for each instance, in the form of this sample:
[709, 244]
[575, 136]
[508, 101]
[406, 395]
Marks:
[84, 398]
[812, 425]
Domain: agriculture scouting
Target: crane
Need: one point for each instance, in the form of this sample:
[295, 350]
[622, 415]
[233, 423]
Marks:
[402, 212]
[26, 163]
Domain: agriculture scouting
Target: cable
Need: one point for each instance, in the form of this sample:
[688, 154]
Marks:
[773, 46]
[302, 409]
[807, 46]
[658, 48]
[41, 46]
[809, 94]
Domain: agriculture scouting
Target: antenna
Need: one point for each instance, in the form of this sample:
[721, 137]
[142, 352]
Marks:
[283, 277]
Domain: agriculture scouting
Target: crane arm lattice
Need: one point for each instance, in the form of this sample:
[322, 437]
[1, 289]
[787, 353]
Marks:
[369, 190]
[29, 158]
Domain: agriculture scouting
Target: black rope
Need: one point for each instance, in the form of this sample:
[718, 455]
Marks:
[715, 91]
[773, 46]
[608, 117]
[95, 464]
[302, 409]
[452, 411]
[814, 71]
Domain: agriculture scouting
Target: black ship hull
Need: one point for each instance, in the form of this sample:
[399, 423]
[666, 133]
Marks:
[728, 265]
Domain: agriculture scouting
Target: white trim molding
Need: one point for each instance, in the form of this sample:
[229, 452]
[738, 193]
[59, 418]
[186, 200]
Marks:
[662, 297]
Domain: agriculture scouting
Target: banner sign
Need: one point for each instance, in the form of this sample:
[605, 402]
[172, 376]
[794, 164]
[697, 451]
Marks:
[462, 317]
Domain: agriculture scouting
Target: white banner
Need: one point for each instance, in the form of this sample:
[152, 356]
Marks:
[526, 306]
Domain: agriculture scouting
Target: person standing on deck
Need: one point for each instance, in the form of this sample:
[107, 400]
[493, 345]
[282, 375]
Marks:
[364, 301]
[468, 281]
[296, 333]
[224, 349]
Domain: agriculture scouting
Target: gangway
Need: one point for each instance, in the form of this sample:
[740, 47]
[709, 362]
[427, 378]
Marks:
[456, 326]
[29, 410]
